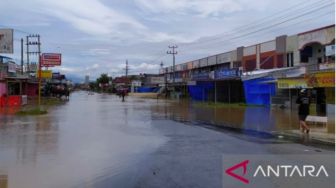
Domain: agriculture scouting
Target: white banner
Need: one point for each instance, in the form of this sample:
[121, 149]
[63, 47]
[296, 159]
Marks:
[6, 41]
[11, 67]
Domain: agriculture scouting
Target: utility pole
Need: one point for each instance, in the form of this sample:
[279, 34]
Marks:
[33, 40]
[39, 69]
[161, 64]
[165, 78]
[173, 52]
[126, 68]
[27, 43]
[21, 56]
[126, 72]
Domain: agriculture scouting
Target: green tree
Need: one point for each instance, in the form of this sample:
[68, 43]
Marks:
[103, 79]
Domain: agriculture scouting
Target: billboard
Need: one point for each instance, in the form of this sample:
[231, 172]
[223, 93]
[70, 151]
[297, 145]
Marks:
[11, 67]
[46, 74]
[292, 83]
[157, 80]
[6, 41]
[51, 59]
[321, 79]
[330, 50]
[227, 73]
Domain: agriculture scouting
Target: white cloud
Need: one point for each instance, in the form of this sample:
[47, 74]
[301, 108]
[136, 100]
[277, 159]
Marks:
[89, 16]
[97, 36]
[198, 7]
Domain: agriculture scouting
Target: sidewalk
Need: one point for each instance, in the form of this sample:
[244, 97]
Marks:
[317, 135]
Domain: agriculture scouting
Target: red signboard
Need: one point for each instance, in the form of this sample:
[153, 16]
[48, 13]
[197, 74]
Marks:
[51, 59]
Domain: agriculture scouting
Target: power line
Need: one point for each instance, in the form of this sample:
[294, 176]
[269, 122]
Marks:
[272, 35]
[270, 26]
[259, 22]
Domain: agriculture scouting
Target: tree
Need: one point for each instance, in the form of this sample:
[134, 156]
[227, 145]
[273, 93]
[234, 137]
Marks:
[103, 79]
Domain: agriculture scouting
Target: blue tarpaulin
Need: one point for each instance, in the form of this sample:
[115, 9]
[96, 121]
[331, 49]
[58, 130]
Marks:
[200, 91]
[259, 91]
[147, 89]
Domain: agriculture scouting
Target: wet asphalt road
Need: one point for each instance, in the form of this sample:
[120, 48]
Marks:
[99, 141]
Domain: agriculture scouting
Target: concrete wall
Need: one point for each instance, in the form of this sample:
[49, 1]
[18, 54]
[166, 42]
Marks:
[212, 60]
[323, 36]
[250, 50]
[189, 65]
[228, 57]
[267, 46]
[196, 64]
[203, 62]
[292, 45]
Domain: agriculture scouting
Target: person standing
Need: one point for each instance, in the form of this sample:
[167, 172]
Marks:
[304, 101]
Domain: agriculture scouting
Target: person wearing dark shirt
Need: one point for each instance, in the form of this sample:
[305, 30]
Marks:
[304, 101]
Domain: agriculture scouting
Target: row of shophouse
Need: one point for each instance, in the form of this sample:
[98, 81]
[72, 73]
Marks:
[17, 85]
[268, 73]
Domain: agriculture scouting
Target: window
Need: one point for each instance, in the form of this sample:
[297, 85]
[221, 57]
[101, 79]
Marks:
[290, 59]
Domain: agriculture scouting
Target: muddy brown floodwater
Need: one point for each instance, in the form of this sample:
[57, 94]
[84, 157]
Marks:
[257, 118]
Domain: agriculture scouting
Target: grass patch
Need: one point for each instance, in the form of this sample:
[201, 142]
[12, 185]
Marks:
[225, 105]
[34, 111]
[51, 101]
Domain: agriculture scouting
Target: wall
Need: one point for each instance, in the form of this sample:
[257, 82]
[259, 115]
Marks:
[212, 60]
[293, 46]
[3, 89]
[196, 64]
[267, 46]
[250, 58]
[31, 89]
[322, 35]
[203, 62]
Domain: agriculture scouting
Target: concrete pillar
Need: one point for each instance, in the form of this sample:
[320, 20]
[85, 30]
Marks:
[258, 56]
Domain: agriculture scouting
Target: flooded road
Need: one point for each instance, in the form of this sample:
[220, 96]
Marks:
[99, 141]
[89, 138]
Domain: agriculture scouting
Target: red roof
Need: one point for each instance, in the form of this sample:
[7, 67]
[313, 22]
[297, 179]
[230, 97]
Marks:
[121, 80]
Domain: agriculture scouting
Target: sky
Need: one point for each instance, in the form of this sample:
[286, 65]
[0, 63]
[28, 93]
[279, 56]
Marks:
[97, 36]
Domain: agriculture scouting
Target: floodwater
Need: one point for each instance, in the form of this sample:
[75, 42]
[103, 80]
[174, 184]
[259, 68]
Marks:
[256, 118]
[96, 137]
[77, 144]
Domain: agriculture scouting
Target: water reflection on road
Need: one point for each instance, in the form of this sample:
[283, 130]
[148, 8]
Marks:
[263, 119]
[97, 137]
[75, 145]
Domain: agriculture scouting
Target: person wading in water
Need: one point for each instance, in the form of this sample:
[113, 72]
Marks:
[123, 94]
[304, 101]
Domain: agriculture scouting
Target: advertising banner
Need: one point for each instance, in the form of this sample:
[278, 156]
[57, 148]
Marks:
[200, 76]
[226, 73]
[157, 80]
[292, 83]
[321, 79]
[6, 41]
[11, 67]
[46, 74]
[51, 59]
[330, 50]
